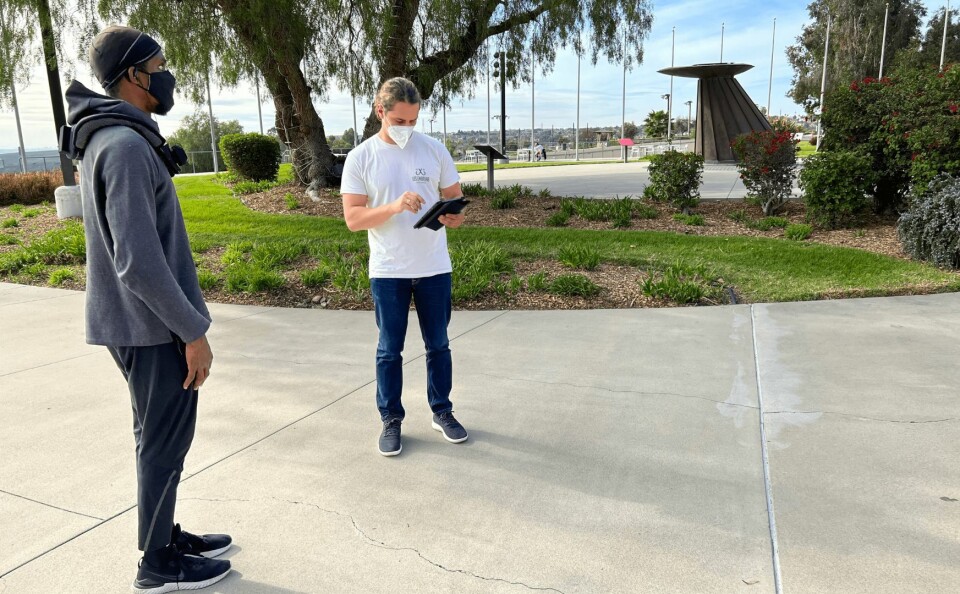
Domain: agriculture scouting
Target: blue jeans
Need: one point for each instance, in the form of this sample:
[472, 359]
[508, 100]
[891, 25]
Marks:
[391, 300]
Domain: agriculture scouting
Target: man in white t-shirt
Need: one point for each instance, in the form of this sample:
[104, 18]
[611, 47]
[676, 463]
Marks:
[387, 181]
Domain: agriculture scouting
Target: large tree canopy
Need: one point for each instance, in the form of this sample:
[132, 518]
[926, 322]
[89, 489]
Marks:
[301, 49]
[856, 37]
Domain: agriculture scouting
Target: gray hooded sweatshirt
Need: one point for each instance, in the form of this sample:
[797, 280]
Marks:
[142, 284]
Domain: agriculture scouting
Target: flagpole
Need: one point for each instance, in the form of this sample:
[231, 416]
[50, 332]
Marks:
[773, 45]
[946, 24]
[823, 84]
[883, 48]
[673, 45]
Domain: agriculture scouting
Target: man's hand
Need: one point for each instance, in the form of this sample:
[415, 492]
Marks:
[408, 201]
[199, 360]
[452, 220]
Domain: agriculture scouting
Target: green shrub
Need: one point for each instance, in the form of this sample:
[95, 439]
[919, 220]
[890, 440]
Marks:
[473, 189]
[476, 267]
[315, 277]
[60, 276]
[65, 246]
[579, 256]
[568, 207]
[16, 208]
[29, 188]
[291, 200]
[208, 279]
[835, 186]
[766, 161]
[695, 220]
[573, 285]
[767, 223]
[645, 211]
[798, 232]
[236, 252]
[251, 156]
[908, 126]
[502, 199]
[537, 282]
[680, 283]
[740, 215]
[252, 187]
[930, 228]
[558, 219]
[8, 239]
[507, 197]
[244, 277]
[275, 254]
[675, 177]
[544, 193]
[350, 273]
[8, 223]
[31, 213]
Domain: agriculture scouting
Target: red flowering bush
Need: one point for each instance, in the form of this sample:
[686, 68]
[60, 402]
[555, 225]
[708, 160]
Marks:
[908, 126]
[767, 161]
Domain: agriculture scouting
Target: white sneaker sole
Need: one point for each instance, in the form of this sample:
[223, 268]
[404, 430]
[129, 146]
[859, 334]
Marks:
[388, 454]
[216, 552]
[440, 429]
[178, 587]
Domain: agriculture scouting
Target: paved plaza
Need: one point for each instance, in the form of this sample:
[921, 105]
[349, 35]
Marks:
[609, 451]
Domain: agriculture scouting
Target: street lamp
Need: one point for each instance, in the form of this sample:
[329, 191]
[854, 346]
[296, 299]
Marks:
[689, 105]
[667, 97]
[432, 120]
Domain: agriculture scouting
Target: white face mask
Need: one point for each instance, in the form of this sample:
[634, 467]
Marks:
[400, 134]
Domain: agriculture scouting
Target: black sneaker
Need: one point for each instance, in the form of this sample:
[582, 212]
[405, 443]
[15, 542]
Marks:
[390, 437]
[204, 545]
[452, 430]
[180, 572]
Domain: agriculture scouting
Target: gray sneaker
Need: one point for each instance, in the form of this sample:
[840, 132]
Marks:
[452, 430]
[390, 438]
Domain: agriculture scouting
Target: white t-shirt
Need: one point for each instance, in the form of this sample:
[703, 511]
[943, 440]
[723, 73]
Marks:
[383, 172]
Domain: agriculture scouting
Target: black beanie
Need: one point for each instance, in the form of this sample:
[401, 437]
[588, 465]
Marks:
[117, 48]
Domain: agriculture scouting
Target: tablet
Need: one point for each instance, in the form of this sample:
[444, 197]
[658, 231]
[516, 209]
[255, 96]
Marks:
[431, 218]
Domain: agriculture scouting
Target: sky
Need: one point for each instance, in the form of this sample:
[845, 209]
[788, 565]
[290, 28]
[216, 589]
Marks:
[746, 28]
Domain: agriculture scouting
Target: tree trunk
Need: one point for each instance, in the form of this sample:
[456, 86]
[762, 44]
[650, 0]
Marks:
[403, 13]
[301, 128]
[298, 123]
[53, 78]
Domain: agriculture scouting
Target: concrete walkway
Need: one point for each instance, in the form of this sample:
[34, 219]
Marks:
[609, 180]
[610, 451]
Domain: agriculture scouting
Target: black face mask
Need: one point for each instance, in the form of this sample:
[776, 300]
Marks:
[161, 87]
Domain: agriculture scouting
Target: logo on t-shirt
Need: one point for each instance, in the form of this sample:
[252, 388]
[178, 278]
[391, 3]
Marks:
[420, 176]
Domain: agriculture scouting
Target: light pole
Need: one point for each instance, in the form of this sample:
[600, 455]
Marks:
[431, 120]
[500, 71]
[576, 138]
[673, 46]
[689, 105]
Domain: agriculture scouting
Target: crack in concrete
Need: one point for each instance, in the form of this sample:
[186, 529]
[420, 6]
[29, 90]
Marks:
[50, 505]
[861, 417]
[615, 391]
[380, 544]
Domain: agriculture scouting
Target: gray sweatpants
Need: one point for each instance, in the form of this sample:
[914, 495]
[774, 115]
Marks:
[164, 419]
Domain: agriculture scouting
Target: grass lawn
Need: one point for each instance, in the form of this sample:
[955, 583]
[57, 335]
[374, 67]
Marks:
[240, 251]
[805, 149]
[761, 269]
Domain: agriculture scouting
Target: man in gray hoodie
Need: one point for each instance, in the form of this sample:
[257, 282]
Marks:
[143, 299]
